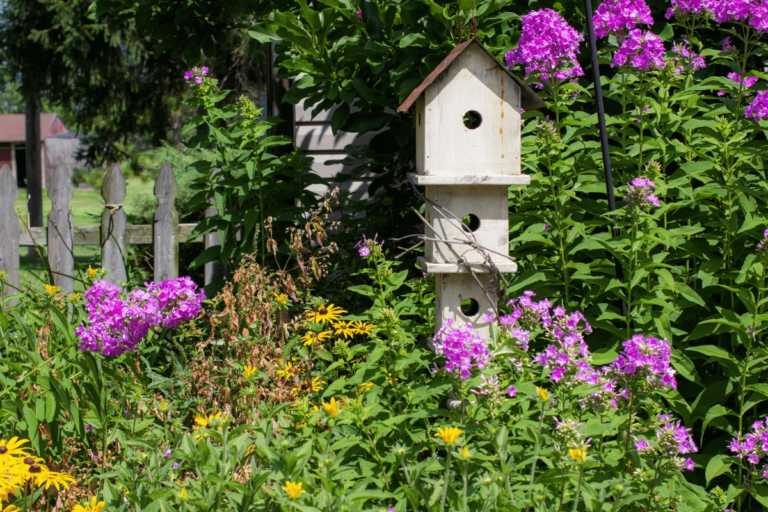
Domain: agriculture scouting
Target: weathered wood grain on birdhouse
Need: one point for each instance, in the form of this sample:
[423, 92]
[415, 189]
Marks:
[486, 213]
[471, 120]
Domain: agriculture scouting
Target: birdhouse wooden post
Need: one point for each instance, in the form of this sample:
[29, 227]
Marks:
[467, 155]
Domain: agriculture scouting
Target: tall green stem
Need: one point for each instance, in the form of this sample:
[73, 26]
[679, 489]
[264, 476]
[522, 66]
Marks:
[445, 481]
[578, 489]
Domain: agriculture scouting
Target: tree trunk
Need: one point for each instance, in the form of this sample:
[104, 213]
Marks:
[34, 156]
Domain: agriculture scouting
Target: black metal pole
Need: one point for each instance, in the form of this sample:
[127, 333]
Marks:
[591, 41]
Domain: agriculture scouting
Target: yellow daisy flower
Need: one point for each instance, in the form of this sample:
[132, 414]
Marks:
[312, 338]
[449, 435]
[249, 371]
[289, 371]
[281, 299]
[310, 387]
[293, 490]
[324, 313]
[361, 327]
[11, 448]
[92, 272]
[74, 297]
[543, 393]
[344, 329]
[51, 289]
[464, 453]
[52, 478]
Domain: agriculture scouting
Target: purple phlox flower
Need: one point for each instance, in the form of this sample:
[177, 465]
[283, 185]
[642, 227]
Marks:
[640, 195]
[168, 453]
[391, 509]
[462, 348]
[116, 325]
[727, 45]
[641, 445]
[94, 457]
[365, 245]
[645, 360]
[689, 465]
[89, 428]
[746, 82]
[488, 317]
[204, 70]
[512, 392]
[685, 56]
[198, 80]
[619, 16]
[359, 15]
[547, 47]
[747, 12]
[762, 246]
[528, 313]
[546, 227]
[127, 413]
[175, 465]
[180, 300]
[758, 109]
[643, 50]
[690, 8]
[189, 74]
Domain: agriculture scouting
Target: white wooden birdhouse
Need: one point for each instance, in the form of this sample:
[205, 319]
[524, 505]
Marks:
[467, 114]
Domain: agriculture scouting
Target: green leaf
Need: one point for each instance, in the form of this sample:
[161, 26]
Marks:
[716, 466]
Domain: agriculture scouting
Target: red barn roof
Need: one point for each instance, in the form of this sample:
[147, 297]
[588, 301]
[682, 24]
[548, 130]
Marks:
[13, 126]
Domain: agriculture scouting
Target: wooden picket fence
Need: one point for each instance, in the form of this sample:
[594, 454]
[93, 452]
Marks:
[113, 235]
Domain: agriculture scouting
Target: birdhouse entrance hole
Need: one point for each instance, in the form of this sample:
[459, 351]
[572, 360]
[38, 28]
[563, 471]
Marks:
[470, 221]
[470, 307]
[472, 119]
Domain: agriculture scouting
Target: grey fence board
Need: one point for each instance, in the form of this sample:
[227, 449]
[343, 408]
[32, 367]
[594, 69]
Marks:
[166, 226]
[9, 230]
[60, 226]
[114, 221]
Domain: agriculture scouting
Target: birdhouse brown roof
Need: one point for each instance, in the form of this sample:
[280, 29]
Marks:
[529, 99]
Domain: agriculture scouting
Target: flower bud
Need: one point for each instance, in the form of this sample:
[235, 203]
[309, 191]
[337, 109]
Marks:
[487, 481]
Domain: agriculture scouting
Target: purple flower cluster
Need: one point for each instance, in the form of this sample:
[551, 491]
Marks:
[569, 356]
[640, 195]
[620, 16]
[197, 74]
[672, 440]
[752, 12]
[179, 300]
[365, 245]
[527, 313]
[758, 109]
[547, 47]
[645, 361]
[727, 45]
[644, 50]
[684, 56]
[462, 347]
[118, 323]
[754, 446]
[690, 8]
[746, 82]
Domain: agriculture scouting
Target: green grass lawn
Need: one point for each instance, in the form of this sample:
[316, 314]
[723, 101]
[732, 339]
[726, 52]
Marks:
[86, 206]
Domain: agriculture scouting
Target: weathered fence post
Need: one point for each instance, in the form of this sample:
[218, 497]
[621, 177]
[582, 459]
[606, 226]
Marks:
[9, 230]
[166, 227]
[60, 230]
[113, 226]
[214, 270]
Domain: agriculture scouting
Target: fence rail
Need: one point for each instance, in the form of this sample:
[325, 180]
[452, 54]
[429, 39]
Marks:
[113, 235]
